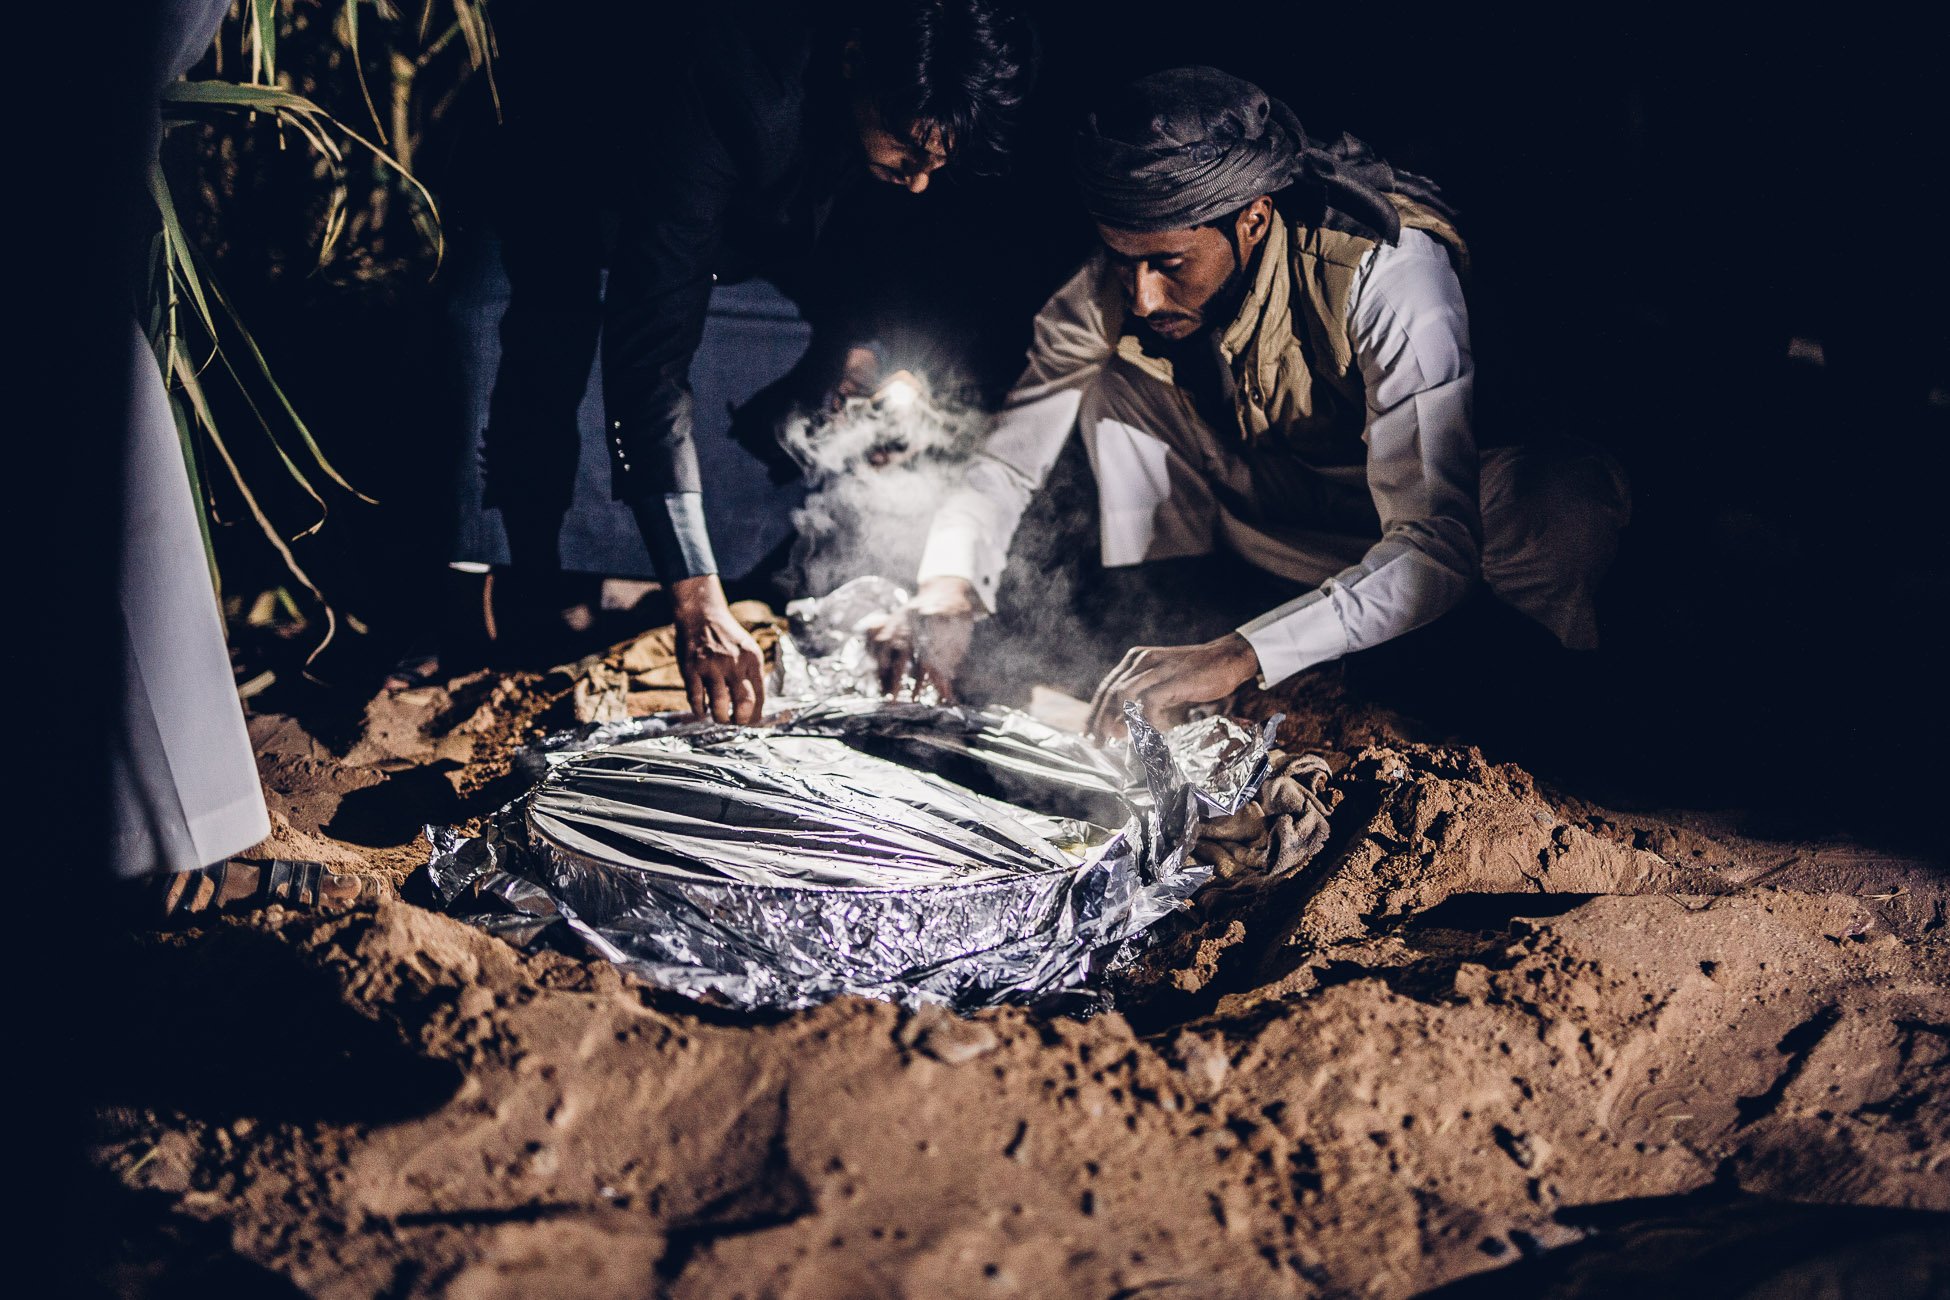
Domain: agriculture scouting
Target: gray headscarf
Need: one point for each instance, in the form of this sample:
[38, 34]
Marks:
[1183, 147]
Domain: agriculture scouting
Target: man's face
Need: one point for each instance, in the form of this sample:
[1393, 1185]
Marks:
[1172, 276]
[906, 158]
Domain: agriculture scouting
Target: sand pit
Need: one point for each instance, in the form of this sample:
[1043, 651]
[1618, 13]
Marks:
[1483, 1027]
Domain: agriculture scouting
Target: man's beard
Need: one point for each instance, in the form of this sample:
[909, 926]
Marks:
[1217, 311]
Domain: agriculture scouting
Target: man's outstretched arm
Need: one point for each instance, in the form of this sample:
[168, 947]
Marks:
[974, 525]
[1411, 340]
[656, 301]
[968, 542]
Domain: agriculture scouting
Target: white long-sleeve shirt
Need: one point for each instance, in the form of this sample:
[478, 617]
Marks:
[1410, 333]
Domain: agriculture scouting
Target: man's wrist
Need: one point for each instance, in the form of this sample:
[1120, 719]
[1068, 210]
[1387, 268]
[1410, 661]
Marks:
[946, 595]
[698, 596]
[674, 532]
[1244, 657]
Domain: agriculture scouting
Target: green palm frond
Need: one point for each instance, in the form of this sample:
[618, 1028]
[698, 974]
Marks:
[194, 324]
[349, 24]
[321, 131]
[185, 288]
[472, 19]
[262, 16]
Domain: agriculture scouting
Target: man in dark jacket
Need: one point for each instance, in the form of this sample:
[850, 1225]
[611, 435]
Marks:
[678, 151]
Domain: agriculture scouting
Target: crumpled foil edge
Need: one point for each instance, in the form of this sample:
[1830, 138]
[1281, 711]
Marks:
[736, 944]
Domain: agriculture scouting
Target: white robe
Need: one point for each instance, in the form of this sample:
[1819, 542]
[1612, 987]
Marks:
[185, 785]
[1538, 528]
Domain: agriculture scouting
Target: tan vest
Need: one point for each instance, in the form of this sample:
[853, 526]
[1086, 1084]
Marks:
[1288, 352]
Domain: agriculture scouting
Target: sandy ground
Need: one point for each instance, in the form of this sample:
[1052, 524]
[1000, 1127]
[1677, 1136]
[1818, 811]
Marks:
[1486, 1027]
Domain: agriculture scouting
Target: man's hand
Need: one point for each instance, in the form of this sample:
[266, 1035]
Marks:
[927, 637]
[724, 674]
[859, 374]
[1163, 680]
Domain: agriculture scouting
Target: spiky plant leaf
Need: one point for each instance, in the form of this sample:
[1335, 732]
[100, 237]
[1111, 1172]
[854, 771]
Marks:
[349, 21]
[263, 16]
[318, 126]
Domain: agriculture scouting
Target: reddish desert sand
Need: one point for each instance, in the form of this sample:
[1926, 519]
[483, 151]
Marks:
[1480, 1028]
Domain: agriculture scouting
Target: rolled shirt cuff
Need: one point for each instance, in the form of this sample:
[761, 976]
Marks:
[1296, 636]
[674, 531]
[955, 549]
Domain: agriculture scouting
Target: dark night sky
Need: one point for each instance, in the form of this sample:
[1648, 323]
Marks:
[1658, 200]
[1734, 179]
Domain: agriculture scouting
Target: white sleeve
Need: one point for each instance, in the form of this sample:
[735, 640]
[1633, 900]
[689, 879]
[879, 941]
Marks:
[1410, 333]
[970, 535]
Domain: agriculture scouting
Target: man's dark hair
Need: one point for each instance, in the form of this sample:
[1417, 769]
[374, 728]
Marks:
[961, 67]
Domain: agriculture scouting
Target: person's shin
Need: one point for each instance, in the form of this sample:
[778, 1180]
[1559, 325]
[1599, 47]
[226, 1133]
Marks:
[534, 537]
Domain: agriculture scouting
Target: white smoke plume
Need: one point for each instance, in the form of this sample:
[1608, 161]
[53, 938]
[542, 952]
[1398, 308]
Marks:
[876, 470]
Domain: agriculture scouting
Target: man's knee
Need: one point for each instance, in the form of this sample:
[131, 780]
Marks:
[1153, 503]
[1564, 507]
[1552, 519]
[1127, 395]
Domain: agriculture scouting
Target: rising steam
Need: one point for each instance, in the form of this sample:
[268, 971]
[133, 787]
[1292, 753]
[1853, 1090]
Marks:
[876, 470]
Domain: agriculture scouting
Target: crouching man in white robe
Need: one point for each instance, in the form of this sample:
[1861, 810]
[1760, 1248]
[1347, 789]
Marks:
[1268, 357]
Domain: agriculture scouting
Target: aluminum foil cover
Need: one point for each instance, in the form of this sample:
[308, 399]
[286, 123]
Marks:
[907, 850]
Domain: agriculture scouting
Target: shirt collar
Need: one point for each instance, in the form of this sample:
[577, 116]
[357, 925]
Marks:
[1268, 294]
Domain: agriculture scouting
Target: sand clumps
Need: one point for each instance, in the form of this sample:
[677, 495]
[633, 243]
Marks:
[1421, 1115]
[1469, 1011]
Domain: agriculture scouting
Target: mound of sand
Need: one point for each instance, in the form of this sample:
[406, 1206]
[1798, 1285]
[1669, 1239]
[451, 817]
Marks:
[1477, 1012]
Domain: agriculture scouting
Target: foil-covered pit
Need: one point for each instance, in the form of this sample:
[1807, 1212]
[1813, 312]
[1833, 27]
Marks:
[904, 850]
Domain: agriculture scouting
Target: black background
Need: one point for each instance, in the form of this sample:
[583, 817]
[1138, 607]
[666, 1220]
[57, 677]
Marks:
[1659, 200]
